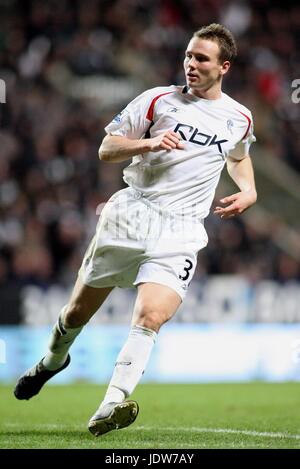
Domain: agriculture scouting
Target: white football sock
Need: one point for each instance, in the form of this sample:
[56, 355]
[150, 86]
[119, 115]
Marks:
[130, 364]
[61, 339]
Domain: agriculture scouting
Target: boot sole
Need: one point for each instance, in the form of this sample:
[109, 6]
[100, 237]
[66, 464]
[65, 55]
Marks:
[123, 414]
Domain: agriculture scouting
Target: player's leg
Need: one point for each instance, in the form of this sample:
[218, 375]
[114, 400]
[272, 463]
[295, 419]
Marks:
[155, 305]
[83, 304]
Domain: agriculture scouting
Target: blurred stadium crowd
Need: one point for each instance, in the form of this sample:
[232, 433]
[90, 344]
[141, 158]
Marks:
[52, 56]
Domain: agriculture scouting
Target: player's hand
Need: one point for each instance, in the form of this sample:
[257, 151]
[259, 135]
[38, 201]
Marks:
[236, 204]
[166, 141]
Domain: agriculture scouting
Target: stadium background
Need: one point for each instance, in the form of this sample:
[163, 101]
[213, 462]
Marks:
[69, 66]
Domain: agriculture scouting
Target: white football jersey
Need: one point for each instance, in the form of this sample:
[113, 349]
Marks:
[183, 180]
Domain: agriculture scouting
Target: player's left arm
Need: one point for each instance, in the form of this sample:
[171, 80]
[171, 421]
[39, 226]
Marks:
[241, 171]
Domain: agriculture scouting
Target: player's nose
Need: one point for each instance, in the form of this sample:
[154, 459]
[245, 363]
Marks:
[191, 63]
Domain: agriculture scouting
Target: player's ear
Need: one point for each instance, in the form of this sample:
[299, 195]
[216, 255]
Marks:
[225, 67]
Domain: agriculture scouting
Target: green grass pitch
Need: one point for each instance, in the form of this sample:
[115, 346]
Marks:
[248, 415]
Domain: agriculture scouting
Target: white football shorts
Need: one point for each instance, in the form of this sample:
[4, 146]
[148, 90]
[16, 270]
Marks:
[136, 241]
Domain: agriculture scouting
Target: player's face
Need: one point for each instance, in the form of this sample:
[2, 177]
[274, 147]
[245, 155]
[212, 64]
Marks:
[202, 67]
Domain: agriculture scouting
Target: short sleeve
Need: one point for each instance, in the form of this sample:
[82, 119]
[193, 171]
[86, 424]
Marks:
[242, 148]
[132, 121]
[249, 138]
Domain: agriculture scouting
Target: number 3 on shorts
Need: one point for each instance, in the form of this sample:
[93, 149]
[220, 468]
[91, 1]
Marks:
[186, 269]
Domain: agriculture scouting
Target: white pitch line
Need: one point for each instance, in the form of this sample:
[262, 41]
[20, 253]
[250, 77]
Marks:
[222, 430]
[165, 429]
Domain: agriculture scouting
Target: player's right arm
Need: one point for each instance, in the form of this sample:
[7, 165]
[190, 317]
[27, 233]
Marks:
[116, 148]
[128, 133]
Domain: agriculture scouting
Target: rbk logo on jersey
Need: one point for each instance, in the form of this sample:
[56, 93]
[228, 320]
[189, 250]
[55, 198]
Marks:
[173, 109]
[191, 134]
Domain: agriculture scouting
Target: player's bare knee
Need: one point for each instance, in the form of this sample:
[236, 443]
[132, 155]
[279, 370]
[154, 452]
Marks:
[151, 319]
[74, 316]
